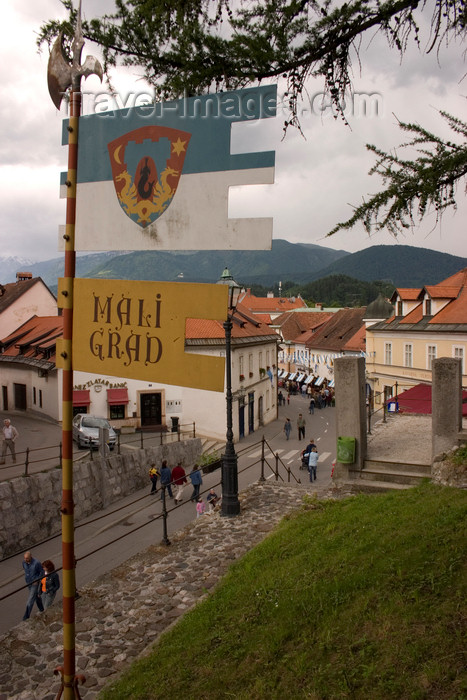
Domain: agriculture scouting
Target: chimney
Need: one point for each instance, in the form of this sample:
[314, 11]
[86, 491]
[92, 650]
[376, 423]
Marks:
[270, 295]
[319, 305]
[22, 276]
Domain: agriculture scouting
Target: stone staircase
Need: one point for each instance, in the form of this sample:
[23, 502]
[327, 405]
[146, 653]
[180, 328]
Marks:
[210, 445]
[382, 475]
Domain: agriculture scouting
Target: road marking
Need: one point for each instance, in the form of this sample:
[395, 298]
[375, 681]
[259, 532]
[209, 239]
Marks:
[291, 454]
[324, 456]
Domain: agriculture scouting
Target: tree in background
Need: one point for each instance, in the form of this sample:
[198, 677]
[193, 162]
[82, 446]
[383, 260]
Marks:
[191, 47]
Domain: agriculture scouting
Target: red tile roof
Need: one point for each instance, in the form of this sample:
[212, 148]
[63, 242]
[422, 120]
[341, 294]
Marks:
[441, 292]
[406, 294]
[293, 325]
[270, 304]
[455, 311]
[338, 330]
[245, 325]
[357, 342]
[413, 316]
[34, 339]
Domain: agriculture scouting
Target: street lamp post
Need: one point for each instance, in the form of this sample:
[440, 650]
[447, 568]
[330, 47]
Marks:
[230, 504]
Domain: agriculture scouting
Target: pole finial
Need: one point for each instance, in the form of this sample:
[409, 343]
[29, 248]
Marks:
[61, 75]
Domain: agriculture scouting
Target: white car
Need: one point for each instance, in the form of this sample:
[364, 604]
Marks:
[86, 431]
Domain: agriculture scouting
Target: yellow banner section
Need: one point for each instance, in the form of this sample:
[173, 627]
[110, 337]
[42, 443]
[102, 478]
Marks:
[136, 330]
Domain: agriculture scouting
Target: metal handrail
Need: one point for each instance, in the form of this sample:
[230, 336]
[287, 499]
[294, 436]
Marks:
[27, 456]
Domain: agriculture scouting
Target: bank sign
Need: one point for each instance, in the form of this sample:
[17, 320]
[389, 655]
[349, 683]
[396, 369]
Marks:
[136, 330]
[157, 177]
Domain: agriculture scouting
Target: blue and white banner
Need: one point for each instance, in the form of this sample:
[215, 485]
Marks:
[157, 177]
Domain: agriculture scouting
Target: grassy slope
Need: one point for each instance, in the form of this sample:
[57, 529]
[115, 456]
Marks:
[361, 598]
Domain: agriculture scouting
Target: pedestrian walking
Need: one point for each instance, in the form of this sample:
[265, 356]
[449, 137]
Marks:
[200, 507]
[49, 584]
[196, 480]
[287, 428]
[33, 573]
[153, 475]
[9, 437]
[166, 479]
[179, 480]
[311, 408]
[313, 463]
[301, 423]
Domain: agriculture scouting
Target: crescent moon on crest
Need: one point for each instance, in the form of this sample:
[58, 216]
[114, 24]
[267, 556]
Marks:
[117, 154]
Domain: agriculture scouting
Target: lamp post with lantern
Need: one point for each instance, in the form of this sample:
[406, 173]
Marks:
[230, 505]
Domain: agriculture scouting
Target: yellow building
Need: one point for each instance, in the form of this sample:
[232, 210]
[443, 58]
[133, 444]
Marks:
[428, 323]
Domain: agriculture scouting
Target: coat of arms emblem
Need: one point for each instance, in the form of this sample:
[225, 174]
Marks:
[146, 167]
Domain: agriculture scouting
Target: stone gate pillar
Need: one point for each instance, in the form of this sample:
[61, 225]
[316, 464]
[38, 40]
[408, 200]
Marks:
[349, 373]
[446, 404]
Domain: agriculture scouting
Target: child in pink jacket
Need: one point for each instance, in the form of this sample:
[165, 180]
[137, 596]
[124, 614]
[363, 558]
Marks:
[200, 507]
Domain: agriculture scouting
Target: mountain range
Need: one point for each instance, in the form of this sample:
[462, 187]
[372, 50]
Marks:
[400, 265]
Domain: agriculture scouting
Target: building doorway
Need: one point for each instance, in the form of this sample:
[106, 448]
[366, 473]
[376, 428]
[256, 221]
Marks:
[241, 417]
[260, 411]
[19, 391]
[251, 412]
[151, 410]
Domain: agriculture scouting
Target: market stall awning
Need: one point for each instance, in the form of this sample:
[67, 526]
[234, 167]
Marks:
[292, 375]
[309, 378]
[301, 377]
[319, 381]
[115, 397]
[81, 397]
[331, 383]
[418, 400]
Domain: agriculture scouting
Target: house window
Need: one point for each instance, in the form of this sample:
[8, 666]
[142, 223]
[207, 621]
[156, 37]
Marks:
[267, 401]
[458, 353]
[431, 355]
[34, 397]
[388, 353]
[250, 363]
[267, 359]
[399, 308]
[428, 307]
[408, 352]
[117, 411]
[240, 365]
[261, 359]
[79, 409]
[40, 398]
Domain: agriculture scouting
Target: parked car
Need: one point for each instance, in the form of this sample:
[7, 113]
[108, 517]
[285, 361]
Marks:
[86, 431]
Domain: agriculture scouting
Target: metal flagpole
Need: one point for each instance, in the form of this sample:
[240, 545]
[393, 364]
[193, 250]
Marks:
[61, 77]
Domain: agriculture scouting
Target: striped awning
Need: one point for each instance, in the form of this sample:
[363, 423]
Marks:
[301, 377]
[319, 381]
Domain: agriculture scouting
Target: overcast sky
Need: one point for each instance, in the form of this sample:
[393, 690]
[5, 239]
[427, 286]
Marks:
[317, 178]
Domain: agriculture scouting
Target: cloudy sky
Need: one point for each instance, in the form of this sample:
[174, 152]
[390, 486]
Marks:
[317, 177]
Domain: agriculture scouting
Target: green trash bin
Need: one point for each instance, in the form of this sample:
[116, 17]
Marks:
[346, 450]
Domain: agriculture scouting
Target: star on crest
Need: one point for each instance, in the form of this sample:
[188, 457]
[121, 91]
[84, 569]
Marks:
[178, 146]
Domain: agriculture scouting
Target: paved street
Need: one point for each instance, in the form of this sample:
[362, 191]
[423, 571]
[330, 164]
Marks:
[138, 514]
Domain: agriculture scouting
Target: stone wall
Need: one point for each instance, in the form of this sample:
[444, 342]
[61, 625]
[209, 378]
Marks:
[30, 506]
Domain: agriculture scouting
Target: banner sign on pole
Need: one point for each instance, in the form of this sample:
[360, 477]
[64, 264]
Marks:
[136, 330]
[157, 177]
